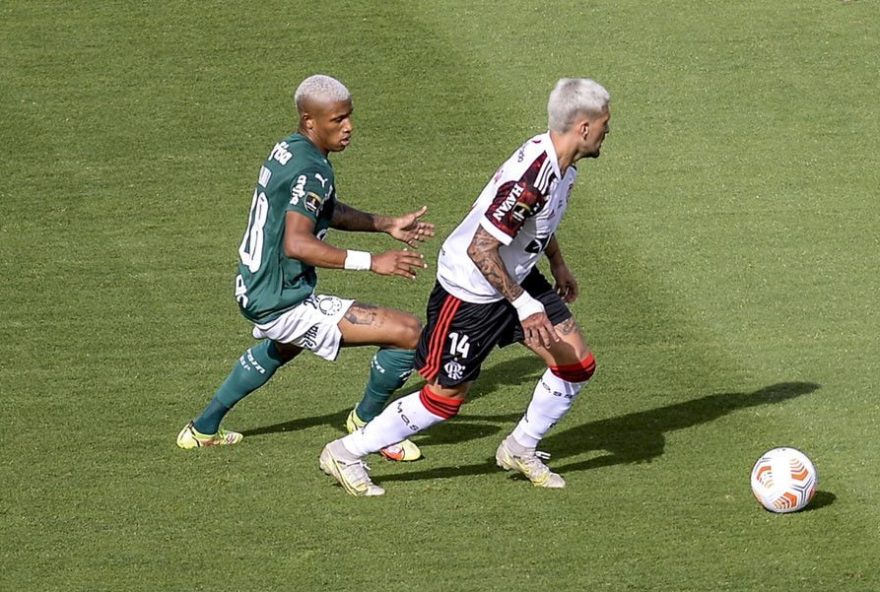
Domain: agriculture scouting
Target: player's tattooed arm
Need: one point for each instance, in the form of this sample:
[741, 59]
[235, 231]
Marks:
[407, 228]
[348, 218]
[483, 251]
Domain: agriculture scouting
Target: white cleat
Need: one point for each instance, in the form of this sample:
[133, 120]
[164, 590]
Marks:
[351, 474]
[529, 462]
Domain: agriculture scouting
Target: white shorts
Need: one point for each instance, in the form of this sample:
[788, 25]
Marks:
[312, 325]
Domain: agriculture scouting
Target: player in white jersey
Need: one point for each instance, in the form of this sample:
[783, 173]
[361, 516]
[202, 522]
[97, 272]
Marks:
[489, 293]
[521, 207]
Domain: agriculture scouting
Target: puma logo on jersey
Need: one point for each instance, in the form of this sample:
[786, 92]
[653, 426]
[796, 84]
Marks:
[321, 179]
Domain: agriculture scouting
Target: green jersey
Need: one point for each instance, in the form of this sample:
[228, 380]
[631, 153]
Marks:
[295, 177]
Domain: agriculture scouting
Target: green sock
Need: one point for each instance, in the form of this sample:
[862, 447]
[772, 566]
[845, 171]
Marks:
[389, 370]
[252, 370]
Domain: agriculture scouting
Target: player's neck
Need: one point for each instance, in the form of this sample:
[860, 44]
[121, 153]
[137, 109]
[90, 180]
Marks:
[308, 136]
[566, 150]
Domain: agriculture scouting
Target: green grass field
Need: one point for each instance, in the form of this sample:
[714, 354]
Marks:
[727, 244]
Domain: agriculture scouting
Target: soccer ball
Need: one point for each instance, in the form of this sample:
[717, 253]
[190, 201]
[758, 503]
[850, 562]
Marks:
[784, 480]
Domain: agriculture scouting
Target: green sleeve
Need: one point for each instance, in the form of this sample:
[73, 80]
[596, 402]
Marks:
[308, 193]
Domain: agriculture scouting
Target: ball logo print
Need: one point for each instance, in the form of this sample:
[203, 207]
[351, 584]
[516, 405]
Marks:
[784, 480]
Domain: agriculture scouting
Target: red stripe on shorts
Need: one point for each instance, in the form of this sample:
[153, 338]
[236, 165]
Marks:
[438, 337]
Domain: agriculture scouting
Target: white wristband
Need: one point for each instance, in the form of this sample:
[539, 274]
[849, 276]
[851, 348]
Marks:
[526, 306]
[358, 260]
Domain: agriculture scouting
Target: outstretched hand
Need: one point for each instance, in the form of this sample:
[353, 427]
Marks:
[401, 263]
[410, 228]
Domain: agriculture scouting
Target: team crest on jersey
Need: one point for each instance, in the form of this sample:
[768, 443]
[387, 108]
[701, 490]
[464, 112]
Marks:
[453, 370]
[313, 202]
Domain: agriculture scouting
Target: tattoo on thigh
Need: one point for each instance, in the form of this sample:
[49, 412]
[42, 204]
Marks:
[567, 327]
[362, 314]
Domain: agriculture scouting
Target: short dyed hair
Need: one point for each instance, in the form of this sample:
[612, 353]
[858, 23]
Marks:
[320, 88]
[572, 97]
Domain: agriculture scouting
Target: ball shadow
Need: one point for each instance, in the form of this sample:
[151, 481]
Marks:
[820, 500]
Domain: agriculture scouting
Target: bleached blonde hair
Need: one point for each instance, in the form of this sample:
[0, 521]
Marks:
[322, 88]
[572, 97]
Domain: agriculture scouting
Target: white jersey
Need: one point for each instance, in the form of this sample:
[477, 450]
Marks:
[521, 206]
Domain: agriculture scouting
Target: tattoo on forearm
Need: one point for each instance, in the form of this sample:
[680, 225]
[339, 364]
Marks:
[483, 251]
[362, 314]
[348, 218]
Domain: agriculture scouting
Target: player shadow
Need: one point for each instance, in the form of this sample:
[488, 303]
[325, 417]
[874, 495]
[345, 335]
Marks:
[471, 427]
[632, 438]
[506, 373]
[336, 419]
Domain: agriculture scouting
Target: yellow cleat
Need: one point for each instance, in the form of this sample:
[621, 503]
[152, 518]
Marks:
[528, 462]
[404, 451]
[189, 437]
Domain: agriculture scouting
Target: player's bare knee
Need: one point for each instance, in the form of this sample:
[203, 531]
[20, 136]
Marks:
[409, 330]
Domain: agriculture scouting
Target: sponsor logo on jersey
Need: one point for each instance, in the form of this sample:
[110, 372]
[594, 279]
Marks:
[298, 190]
[281, 152]
[508, 203]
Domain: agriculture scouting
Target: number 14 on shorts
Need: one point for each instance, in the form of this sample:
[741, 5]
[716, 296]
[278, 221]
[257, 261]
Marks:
[459, 344]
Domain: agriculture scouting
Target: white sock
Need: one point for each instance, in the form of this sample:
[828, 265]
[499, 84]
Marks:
[400, 420]
[552, 399]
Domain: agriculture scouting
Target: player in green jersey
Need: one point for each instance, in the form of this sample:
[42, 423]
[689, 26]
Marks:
[293, 207]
